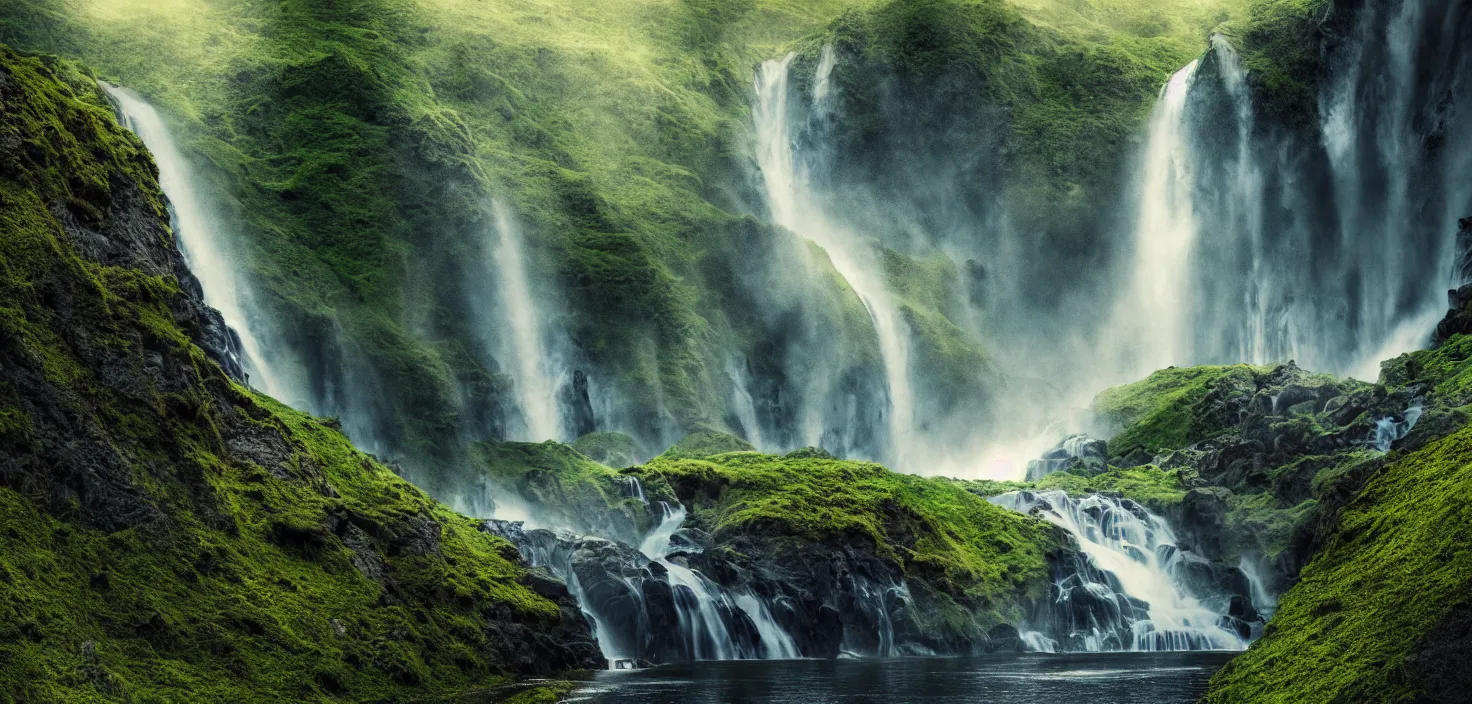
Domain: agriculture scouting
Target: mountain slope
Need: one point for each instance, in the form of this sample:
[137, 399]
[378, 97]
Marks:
[171, 535]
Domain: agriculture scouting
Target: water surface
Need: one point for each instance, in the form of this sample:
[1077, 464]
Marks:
[1138, 678]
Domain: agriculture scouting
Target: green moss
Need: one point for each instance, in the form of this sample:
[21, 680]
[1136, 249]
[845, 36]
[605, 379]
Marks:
[706, 444]
[607, 448]
[1443, 372]
[1280, 45]
[1394, 570]
[1156, 414]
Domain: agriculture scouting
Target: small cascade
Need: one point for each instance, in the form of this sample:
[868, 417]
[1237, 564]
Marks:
[704, 608]
[649, 605]
[794, 206]
[1263, 600]
[1077, 449]
[1124, 589]
[1390, 429]
[536, 390]
[635, 489]
[197, 234]
[876, 604]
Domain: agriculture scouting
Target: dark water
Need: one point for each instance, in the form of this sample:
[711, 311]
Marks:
[1138, 678]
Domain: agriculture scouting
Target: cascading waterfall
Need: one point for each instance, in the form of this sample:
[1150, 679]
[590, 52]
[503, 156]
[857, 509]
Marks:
[198, 236]
[701, 604]
[1334, 250]
[649, 604]
[536, 390]
[1124, 592]
[1148, 323]
[794, 207]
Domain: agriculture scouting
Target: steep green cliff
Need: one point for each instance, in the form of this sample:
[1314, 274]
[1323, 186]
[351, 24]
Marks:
[170, 535]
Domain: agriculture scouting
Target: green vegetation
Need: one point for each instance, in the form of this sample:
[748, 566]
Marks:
[705, 444]
[608, 448]
[1155, 414]
[1153, 487]
[169, 535]
[1372, 600]
[564, 487]
[1280, 48]
[941, 534]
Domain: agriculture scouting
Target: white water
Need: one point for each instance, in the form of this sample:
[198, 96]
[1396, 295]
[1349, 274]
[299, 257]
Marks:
[1141, 554]
[744, 405]
[794, 207]
[1388, 430]
[1149, 324]
[701, 621]
[197, 233]
[536, 391]
[1262, 599]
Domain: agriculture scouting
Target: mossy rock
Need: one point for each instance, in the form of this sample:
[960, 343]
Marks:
[706, 443]
[608, 448]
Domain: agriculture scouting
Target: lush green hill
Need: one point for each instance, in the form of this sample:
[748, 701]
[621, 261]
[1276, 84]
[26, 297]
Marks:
[172, 536]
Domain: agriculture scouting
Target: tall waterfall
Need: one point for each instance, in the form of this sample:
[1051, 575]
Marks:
[1148, 325]
[197, 233]
[1333, 245]
[536, 390]
[1125, 590]
[794, 206]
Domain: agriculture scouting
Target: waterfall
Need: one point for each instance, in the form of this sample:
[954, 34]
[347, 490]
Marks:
[1124, 589]
[198, 236]
[1263, 600]
[1149, 324]
[794, 207]
[648, 603]
[535, 388]
[1333, 244]
[702, 605]
[743, 404]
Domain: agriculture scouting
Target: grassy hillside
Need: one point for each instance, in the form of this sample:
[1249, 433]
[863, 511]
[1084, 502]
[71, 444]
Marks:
[169, 534]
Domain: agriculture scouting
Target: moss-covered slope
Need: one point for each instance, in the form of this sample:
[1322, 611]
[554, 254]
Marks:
[1381, 613]
[168, 535]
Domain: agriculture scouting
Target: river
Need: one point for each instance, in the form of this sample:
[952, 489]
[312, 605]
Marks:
[1096, 678]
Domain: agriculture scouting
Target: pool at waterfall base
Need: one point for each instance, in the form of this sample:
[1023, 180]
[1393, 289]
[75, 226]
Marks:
[1096, 678]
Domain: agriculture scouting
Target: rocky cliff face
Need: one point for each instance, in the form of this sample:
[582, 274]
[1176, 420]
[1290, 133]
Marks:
[167, 529]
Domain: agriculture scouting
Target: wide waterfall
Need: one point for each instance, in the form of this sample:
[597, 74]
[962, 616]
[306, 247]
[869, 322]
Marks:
[536, 389]
[197, 230]
[796, 208]
[1333, 249]
[1125, 588]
